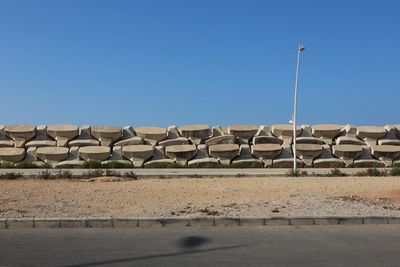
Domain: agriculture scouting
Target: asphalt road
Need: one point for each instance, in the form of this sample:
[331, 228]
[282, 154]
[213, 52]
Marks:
[361, 245]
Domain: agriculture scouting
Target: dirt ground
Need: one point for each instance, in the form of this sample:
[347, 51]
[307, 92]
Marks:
[244, 196]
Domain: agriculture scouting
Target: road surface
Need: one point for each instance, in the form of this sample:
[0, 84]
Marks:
[361, 245]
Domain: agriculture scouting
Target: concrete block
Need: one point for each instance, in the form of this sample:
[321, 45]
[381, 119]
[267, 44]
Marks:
[376, 220]
[277, 221]
[106, 134]
[307, 152]
[73, 159]
[222, 139]
[159, 159]
[99, 222]
[84, 138]
[348, 153]
[73, 223]
[244, 133]
[326, 221]
[301, 221]
[267, 140]
[97, 153]
[20, 134]
[202, 159]
[245, 159]
[285, 159]
[125, 222]
[62, 133]
[181, 153]
[366, 160]
[386, 153]
[224, 152]
[138, 154]
[152, 135]
[327, 160]
[394, 220]
[351, 220]
[370, 134]
[20, 223]
[176, 221]
[52, 155]
[150, 222]
[196, 133]
[227, 221]
[390, 138]
[326, 131]
[251, 221]
[3, 223]
[285, 132]
[202, 221]
[47, 222]
[41, 139]
[11, 154]
[5, 141]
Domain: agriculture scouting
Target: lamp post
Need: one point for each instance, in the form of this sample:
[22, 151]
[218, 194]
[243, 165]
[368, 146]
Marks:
[299, 50]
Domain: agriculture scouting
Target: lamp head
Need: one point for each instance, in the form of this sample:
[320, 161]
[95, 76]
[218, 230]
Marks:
[301, 48]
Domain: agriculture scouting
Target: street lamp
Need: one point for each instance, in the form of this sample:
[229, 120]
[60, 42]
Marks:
[299, 50]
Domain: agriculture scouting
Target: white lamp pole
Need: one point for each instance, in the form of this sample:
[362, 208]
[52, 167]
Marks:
[300, 49]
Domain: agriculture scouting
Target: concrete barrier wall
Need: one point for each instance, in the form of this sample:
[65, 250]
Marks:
[320, 146]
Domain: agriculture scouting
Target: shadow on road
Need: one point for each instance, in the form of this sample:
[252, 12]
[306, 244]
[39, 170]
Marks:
[190, 245]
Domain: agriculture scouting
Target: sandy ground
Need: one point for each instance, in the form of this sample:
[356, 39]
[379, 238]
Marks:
[244, 196]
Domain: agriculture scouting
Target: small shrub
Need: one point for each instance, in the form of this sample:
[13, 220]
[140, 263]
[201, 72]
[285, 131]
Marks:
[31, 165]
[372, 172]
[292, 173]
[6, 165]
[116, 165]
[130, 175]
[92, 174]
[253, 164]
[63, 174]
[112, 173]
[11, 175]
[395, 171]
[336, 173]
[164, 165]
[44, 175]
[92, 164]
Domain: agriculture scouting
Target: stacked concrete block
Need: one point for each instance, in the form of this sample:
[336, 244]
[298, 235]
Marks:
[20, 134]
[5, 141]
[285, 132]
[203, 159]
[181, 153]
[84, 138]
[306, 137]
[41, 138]
[266, 152]
[347, 153]
[370, 134]
[245, 159]
[327, 132]
[348, 136]
[159, 159]
[52, 155]
[366, 160]
[327, 160]
[138, 154]
[224, 152]
[243, 133]
[199, 145]
[391, 137]
[62, 133]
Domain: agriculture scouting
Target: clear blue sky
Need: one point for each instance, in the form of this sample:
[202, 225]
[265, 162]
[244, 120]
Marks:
[184, 62]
